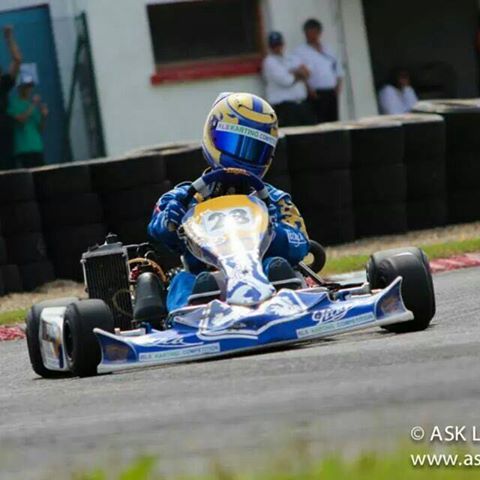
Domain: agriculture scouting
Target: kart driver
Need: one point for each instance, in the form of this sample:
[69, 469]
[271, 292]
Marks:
[247, 150]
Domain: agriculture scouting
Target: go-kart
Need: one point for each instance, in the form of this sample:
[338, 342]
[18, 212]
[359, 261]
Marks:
[124, 323]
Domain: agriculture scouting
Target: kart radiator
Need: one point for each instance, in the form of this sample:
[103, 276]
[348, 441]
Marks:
[106, 274]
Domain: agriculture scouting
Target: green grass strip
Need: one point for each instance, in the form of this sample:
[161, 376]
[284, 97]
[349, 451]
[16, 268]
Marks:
[367, 466]
[350, 263]
[12, 317]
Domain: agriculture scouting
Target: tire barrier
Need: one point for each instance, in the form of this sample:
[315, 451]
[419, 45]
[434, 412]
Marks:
[184, 164]
[462, 124]
[71, 214]
[319, 160]
[278, 173]
[424, 160]
[378, 177]
[22, 231]
[12, 281]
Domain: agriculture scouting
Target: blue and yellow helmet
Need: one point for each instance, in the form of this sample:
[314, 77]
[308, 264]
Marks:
[241, 131]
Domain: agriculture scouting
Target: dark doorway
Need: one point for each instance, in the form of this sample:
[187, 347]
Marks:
[434, 39]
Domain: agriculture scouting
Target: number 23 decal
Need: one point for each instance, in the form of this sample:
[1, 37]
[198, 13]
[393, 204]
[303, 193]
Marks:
[215, 221]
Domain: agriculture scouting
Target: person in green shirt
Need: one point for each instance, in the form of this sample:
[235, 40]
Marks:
[29, 114]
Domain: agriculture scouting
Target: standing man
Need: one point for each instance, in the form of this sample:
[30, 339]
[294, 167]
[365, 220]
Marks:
[286, 89]
[29, 115]
[7, 82]
[326, 72]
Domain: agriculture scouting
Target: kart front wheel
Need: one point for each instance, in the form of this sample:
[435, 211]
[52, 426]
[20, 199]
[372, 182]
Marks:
[81, 345]
[417, 286]
[33, 336]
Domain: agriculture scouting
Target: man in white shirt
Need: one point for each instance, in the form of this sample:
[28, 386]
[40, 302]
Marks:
[397, 96]
[286, 90]
[326, 72]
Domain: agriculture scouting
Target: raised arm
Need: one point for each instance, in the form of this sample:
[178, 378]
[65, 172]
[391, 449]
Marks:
[15, 54]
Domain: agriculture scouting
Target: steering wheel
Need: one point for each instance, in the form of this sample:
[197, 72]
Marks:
[229, 176]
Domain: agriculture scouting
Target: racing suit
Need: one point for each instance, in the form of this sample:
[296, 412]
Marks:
[290, 239]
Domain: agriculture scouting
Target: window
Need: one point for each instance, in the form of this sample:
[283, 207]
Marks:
[201, 38]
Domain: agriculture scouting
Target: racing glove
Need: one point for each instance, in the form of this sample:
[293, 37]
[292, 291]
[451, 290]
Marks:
[173, 213]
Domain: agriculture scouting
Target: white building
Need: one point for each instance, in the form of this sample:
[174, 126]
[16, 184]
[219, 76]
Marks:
[143, 103]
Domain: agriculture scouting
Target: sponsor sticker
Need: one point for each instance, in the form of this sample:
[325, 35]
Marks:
[180, 353]
[330, 314]
[247, 132]
[338, 325]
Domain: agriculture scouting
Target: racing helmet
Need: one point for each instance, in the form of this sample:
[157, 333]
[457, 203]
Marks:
[241, 131]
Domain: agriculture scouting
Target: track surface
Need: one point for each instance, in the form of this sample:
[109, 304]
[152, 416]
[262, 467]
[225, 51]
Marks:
[358, 390]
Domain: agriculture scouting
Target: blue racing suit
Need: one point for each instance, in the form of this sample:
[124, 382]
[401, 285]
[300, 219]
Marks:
[290, 239]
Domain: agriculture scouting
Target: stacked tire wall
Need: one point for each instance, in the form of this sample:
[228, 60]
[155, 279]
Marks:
[72, 215]
[319, 160]
[24, 264]
[462, 122]
[424, 161]
[350, 180]
[129, 187]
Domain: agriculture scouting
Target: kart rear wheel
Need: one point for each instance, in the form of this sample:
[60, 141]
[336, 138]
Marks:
[81, 345]
[417, 286]
[319, 256]
[33, 339]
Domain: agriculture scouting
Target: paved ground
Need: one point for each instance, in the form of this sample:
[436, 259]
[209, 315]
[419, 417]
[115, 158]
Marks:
[357, 390]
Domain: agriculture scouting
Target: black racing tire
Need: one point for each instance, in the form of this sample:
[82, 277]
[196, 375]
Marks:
[3, 251]
[319, 256]
[279, 165]
[81, 345]
[3, 289]
[184, 164]
[128, 172]
[34, 275]
[73, 241]
[26, 248]
[464, 206]
[71, 211]
[427, 213]
[318, 148]
[426, 180]
[376, 144]
[131, 231]
[380, 219]
[56, 181]
[33, 340]
[16, 186]
[323, 191]
[134, 203]
[379, 184]
[330, 227]
[418, 293]
[11, 278]
[281, 181]
[20, 218]
[464, 172]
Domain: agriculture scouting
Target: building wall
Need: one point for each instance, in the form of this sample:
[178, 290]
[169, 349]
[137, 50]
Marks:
[135, 113]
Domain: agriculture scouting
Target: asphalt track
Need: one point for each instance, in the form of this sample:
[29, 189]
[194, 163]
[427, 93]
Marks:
[355, 391]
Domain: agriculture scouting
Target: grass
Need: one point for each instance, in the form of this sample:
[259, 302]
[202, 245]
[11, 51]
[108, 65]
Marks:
[349, 263]
[367, 466]
[12, 317]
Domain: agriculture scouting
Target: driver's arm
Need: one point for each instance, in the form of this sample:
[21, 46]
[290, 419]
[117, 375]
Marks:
[168, 210]
[291, 238]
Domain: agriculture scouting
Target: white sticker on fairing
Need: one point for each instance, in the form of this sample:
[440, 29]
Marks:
[335, 325]
[247, 132]
[180, 353]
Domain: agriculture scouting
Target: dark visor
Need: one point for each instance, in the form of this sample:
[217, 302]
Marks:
[244, 148]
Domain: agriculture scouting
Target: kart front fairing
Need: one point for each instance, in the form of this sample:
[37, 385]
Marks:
[219, 329]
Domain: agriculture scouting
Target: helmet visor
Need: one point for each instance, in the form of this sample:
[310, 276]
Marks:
[247, 144]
